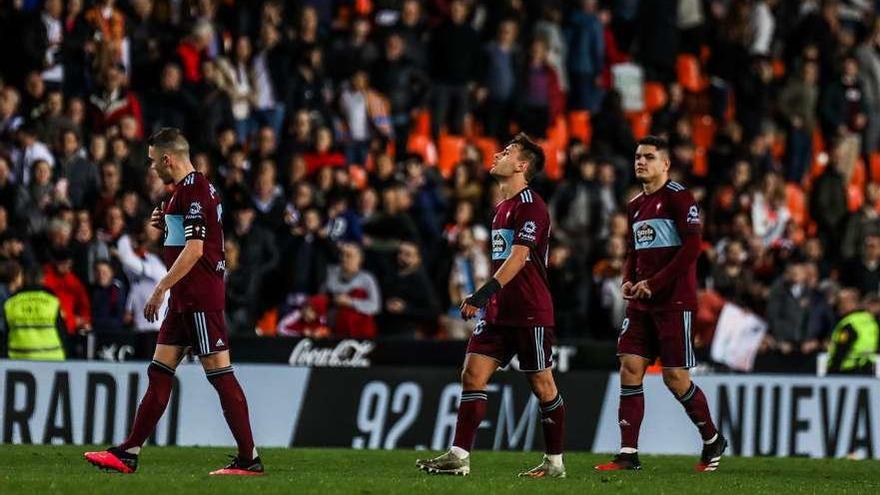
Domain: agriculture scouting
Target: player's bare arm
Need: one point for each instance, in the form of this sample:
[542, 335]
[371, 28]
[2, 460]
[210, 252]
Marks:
[518, 258]
[191, 253]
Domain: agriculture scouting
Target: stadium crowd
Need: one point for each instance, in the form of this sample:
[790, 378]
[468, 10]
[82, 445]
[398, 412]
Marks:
[350, 142]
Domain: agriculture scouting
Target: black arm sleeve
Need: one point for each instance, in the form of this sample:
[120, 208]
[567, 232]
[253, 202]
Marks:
[841, 349]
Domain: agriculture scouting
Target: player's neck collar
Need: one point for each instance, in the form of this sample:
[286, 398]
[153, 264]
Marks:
[185, 176]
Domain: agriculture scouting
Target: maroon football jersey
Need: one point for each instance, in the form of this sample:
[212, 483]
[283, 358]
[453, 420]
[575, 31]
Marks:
[195, 212]
[525, 301]
[658, 224]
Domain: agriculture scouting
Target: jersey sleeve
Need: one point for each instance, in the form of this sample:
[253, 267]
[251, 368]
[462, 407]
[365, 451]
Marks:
[194, 222]
[686, 214]
[529, 224]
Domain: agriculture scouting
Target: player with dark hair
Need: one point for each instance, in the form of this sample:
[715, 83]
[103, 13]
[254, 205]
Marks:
[660, 283]
[518, 317]
[193, 248]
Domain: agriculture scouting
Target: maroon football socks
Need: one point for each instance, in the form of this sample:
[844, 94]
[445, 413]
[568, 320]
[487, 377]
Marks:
[152, 406]
[471, 412]
[630, 414]
[235, 410]
[694, 402]
[553, 423]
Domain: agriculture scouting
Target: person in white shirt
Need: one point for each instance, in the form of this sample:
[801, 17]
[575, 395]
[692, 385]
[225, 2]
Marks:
[144, 270]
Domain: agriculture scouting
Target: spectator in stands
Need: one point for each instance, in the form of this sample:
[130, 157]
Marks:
[863, 273]
[501, 68]
[107, 300]
[86, 248]
[108, 105]
[169, 105]
[797, 103]
[355, 296]
[36, 199]
[586, 51]
[732, 277]
[414, 31]
[770, 215]
[398, 77]
[268, 200]
[828, 204]
[788, 309]
[193, 50]
[411, 307]
[238, 82]
[30, 151]
[80, 175]
[607, 279]
[862, 223]
[257, 257]
[842, 107]
[454, 62]
[10, 119]
[143, 269]
[541, 100]
[470, 269]
[355, 53]
[270, 68]
[868, 55]
[75, 306]
[308, 253]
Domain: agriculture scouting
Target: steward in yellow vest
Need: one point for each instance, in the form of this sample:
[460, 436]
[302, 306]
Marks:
[33, 321]
[853, 346]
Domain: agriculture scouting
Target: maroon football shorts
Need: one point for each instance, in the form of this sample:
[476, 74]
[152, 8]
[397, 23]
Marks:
[533, 345]
[663, 334]
[205, 332]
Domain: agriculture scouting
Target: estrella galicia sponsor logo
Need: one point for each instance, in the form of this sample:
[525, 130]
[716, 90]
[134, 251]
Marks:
[645, 234]
[502, 241]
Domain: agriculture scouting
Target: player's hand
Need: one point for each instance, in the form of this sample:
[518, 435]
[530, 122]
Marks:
[468, 311]
[641, 290]
[626, 289]
[151, 310]
[157, 218]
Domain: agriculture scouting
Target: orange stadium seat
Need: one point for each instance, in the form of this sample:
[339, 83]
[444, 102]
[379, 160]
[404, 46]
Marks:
[579, 126]
[655, 96]
[422, 123]
[551, 164]
[689, 73]
[450, 149]
[488, 147]
[423, 146]
[640, 122]
[796, 202]
[855, 197]
[558, 133]
[703, 131]
[701, 162]
[859, 175]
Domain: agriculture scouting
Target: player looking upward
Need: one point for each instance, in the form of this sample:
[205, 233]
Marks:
[193, 248]
[518, 315]
[660, 283]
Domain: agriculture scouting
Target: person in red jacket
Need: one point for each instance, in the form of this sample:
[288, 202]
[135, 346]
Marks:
[76, 309]
[114, 101]
[193, 50]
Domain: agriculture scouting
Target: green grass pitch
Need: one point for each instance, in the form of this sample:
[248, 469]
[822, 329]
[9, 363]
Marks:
[61, 470]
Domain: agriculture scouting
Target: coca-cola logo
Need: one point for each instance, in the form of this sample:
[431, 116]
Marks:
[348, 353]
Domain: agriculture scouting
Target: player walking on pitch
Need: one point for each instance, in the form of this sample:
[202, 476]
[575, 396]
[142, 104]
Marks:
[518, 319]
[660, 283]
[193, 247]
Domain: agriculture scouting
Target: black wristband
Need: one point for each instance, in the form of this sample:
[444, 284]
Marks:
[481, 297]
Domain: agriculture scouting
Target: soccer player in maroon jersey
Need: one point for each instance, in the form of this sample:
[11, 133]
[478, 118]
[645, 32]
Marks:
[660, 283]
[193, 248]
[518, 316]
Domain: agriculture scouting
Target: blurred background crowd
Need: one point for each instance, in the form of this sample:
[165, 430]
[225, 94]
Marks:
[351, 140]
